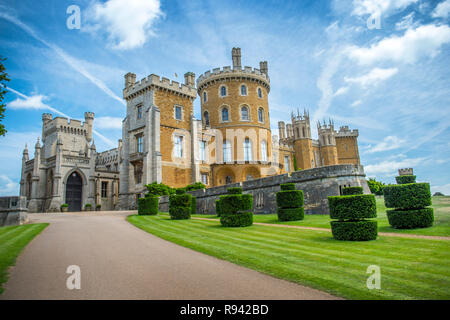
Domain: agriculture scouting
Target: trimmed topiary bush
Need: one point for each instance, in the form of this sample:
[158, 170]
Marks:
[234, 208]
[410, 219]
[290, 199]
[180, 191]
[287, 186]
[405, 179]
[194, 205]
[180, 213]
[352, 207]
[291, 214]
[352, 190]
[407, 196]
[290, 203]
[148, 205]
[180, 206]
[361, 230]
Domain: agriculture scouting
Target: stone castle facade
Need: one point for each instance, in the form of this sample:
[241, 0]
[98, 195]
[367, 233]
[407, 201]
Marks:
[162, 141]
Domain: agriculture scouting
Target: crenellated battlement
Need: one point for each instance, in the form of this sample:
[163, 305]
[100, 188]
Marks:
[107, 157]
[233, 73]
[344, 131]
[159, 82]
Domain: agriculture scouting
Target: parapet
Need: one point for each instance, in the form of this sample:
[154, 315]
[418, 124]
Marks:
[344, 131]
[227, 72]
[405, 172]
[156, 81]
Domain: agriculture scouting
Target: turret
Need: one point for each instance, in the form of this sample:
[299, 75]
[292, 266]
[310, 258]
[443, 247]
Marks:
[189, 79]
[301, 125]
[326, 133]
[89, 120]
[46, 118]
[289, 131]
[25, 156]
[282, 129]
[263, 68]
[236, 55]
[130, 79]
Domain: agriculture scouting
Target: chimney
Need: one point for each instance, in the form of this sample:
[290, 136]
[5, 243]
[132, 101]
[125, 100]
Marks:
[189, 79]
[130, 79]
[236, 55]
[263, 67]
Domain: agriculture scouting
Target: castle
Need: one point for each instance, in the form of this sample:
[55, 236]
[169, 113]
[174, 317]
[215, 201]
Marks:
[162, 141]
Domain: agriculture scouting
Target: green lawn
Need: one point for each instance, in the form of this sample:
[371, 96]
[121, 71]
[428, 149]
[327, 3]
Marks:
[12, 241]
[441, 225]
[410, 268]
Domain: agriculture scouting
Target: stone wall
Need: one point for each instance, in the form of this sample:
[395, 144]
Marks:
[317, 184]
[13, 211]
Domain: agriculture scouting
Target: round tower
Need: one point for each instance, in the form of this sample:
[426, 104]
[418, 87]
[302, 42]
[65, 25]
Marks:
[234, 101]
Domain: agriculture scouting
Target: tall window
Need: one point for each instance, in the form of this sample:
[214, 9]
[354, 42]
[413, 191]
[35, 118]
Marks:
[202, 147]
[139, 111]
[205, 96]
[247, 150]
[259, 93]
[178, 146]
[140, 143]
[226, 151]
[204, 178]
[244, 113]
[223, 91]
[263, 150]
[178, 112]
[104, 189]
[286, 164]
[261, 115]
[225, 114]
[228, 180]
[243, 90]
[206, 117]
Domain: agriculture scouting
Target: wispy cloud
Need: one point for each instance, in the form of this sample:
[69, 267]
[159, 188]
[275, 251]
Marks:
[108, 122]
[356, 103]
[8, 186]
[390, 166]
[341, 91]
[379, 7]
[389, 143]
[442, 10]
[375, 76]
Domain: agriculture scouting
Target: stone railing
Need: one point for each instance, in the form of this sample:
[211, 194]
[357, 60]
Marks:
[13, 210]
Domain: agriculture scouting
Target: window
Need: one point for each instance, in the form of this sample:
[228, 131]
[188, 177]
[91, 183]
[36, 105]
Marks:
[243, 90]
[228, 180]
[202, 146]
[225, 114]
[139, 112]
[178, 112]
[261, 115]
[329, 139]
[178, 146]
[206, 117]
[205, 96]
[244, 113]
[263, 150]
[223, 91]
[303, 131]
[249, 177]
[140, 143]
[259, 93]
[286, 163]
[247, 150]
[226, 151]
[104, 189]
[204, 178]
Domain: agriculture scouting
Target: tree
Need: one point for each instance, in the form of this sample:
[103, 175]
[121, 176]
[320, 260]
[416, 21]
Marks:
[376, 187]
[194, 186]
[438, 194]
[3, 79]
[159, 189]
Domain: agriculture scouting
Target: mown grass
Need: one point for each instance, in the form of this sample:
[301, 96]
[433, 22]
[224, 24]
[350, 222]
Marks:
[12, 241]
[410, 268]
[441, 226]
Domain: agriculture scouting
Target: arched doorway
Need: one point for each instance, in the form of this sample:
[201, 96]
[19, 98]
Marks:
[74, 187]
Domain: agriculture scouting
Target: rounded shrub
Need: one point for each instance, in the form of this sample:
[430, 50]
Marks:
[290, 199]
[287, 186]
[180, 206]
[410, 219]
[218, 208]
[180, 191]
[405, 179]
[407, 196]
[194, 205]
[180, 213]
[148, 205]
[240, 219]
[362, 230]
[234, 190]
[291, 214]
[233, 203]
[352, 190]
[352, 207]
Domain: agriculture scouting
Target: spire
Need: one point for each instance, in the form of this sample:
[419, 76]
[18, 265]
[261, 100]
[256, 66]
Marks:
[38, 144]
[25, 151]
[93, 144]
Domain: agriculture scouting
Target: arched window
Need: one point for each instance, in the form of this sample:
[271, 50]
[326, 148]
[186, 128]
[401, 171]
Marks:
[298, 132]
[263, 150]
[205, 96]
[247, 150]
[225, 116]
[329, 139]
[226, 151]
[303, 130]
[249, 177]
[223, 91]
[244, 113]
[228, 180]
[261, 115]
[259, 93]
[206, 117]
[243, 90]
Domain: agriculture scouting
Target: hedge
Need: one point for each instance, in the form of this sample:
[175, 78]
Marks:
[194, 205]
[148, 205]
[243, 219]
[405, 179]
[180, 191]
[180, 206]
[233, 203]
[218, 208]
[234, 190]
[347, 191]
[287, 186]
[362, 230]
[410, 219]
[180, 213]
[290, 199]
[291, 214]
[352, 207]
[407, 196]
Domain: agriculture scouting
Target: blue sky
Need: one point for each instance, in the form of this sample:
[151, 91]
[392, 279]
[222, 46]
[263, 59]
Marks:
[389, 79]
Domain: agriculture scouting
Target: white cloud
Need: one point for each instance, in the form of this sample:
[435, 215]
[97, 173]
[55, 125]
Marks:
[356, 103]
[381, 7]
[445, 189]
[341, 91]
[128, 23]
[8, 187]
[373, 77]
[389, 143]
[391, 166]
[108, 122]
[442, 10]
[406, 23]
[424, 41]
